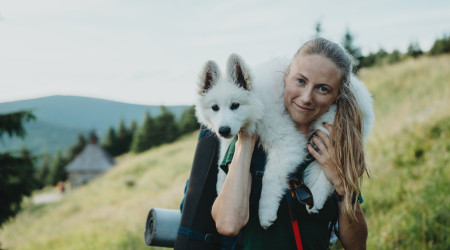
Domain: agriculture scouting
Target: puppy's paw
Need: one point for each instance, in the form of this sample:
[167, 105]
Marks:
[313, 210]
[267, 217]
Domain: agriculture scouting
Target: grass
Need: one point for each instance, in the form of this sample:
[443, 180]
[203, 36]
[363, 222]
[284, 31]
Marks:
[406, 204]
[109, 213]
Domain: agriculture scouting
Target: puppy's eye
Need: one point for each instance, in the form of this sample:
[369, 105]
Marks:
[234, 106]
[215, 108]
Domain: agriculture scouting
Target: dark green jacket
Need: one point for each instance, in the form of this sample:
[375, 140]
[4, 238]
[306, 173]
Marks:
[314, 229]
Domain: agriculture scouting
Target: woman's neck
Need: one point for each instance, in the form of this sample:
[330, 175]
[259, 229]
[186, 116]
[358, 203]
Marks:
[304, 129]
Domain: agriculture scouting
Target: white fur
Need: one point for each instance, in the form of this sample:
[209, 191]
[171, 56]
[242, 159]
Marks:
[314, 177]
[261, 112]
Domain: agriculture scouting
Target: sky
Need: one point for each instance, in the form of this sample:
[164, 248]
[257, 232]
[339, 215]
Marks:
[151, 52]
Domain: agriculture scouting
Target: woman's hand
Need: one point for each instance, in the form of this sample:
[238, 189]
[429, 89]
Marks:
[353, 235]
[326, 157]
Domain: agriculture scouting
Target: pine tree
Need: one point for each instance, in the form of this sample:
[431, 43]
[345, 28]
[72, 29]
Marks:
[124, 138]
[188, 121]
[347, 43]
[58, 170]
[318, 29]
[144, 138]
[43, 171]
[441, 46]
[16, 169]
[414, 50]
[75, 150]
[165, 127]
[110, 143]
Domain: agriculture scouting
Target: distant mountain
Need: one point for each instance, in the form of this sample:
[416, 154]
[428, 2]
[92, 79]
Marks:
[59, 120]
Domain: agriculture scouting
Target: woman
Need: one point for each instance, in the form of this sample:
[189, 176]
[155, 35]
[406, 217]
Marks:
[318, 76]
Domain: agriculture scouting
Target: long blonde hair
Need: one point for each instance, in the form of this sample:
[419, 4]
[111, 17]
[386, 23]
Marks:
[348, 122]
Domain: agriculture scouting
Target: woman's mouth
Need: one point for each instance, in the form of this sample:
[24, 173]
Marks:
[303, 108]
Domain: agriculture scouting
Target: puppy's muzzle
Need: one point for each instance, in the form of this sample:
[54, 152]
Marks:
[224, 131]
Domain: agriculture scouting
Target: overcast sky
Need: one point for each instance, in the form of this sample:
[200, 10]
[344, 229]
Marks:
[151, 52]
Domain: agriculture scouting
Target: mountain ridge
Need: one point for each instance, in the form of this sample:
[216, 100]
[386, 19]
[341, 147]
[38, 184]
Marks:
[65, 116]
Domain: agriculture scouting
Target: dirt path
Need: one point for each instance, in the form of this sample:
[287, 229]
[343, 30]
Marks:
[47, 197]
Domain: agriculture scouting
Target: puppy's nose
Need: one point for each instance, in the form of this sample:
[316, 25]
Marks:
[224, 131]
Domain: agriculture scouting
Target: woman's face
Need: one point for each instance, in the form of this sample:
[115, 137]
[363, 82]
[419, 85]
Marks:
[311, 86]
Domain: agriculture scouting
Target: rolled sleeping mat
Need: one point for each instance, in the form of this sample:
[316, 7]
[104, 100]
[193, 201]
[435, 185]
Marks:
[161, 228]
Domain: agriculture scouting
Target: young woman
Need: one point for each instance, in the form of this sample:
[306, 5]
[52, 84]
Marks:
[317, 77]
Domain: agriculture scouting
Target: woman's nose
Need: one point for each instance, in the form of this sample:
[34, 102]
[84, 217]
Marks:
[306, 95]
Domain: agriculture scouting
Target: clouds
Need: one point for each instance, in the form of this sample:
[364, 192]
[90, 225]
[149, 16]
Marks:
[151, 52]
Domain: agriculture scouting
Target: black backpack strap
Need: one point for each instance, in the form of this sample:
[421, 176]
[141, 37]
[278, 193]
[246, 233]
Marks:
[200, 194]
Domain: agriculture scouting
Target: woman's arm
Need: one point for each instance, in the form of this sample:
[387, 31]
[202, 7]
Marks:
[353, 235]
[230, 210]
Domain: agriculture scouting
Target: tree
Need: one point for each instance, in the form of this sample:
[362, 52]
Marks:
[414, 50]
[75, 150]
[165, 127]
[318, 29]
[441, 46]
[16, 169]
[124, 138]
[395, 56]
[43, 171]
[145, 136]
[367, 61]
[58, 170]
[110, 143]
[347, 43]
[188, 121]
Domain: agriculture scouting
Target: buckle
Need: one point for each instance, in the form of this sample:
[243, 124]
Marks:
[210, 238]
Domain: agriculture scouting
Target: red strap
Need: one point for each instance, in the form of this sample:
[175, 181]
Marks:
[298, 239]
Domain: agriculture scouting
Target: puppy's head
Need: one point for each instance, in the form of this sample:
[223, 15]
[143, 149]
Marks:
[224, 103]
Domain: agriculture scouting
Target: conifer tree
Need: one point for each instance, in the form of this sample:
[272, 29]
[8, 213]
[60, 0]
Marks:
[165, 127]
[58, 170]
[347, 43]
[110, 142]
[188, 121]
[76, 149]
[124, 138]
[144, 138]
[414, 50]
[441, 46]
[43, 171]
[16, 169]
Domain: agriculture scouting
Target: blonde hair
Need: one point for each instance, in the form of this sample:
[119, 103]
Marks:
[348, 122]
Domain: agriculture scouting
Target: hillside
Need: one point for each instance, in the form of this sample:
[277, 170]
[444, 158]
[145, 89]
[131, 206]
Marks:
[59, 120]
[405, 200]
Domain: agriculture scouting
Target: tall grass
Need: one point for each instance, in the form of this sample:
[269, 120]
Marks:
[407, 199]
[110, 212]
[406, 204]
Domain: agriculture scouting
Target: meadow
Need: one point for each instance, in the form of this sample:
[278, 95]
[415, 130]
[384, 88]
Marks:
[405, 199]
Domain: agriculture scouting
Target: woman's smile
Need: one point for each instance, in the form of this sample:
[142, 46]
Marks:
[310, 88]
[303, 108]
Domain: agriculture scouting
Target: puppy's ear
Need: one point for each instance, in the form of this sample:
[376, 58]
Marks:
[238, 72]
[208, 77]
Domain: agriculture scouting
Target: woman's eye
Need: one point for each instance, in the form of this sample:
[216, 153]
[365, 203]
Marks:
[234, 106]
[301, 81]
[215, 108]
[323, 89]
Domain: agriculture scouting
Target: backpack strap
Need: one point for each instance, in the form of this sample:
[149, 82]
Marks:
[290, 200]
[294, 220]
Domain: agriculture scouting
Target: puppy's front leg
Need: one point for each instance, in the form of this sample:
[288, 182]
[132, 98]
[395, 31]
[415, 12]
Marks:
[273, 188]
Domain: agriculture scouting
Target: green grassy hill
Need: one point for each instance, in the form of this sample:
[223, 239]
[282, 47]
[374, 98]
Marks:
[406, 202]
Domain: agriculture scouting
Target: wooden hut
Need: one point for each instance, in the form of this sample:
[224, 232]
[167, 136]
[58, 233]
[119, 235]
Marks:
[92, 162]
